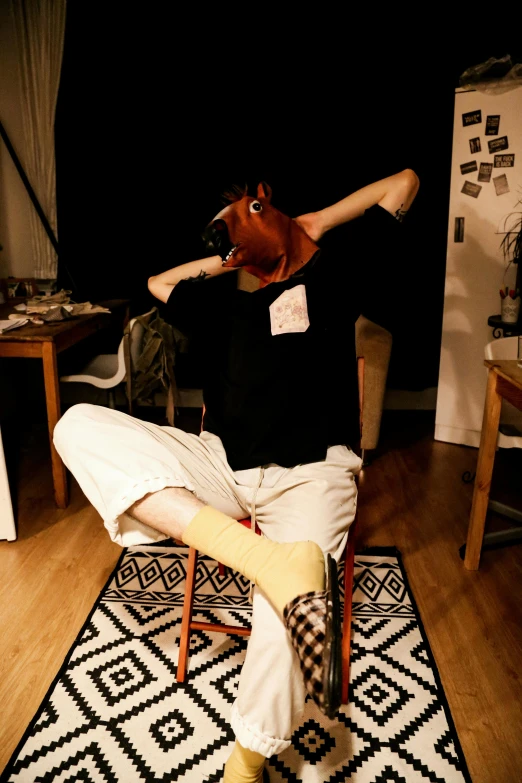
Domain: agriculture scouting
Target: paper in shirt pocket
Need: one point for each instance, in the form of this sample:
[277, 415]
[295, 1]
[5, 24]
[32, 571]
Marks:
[289, 312]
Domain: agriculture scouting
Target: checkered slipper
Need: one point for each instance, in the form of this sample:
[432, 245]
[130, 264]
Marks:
[313, 621]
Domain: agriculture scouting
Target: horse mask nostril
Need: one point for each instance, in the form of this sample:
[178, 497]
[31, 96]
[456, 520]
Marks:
[215, 235]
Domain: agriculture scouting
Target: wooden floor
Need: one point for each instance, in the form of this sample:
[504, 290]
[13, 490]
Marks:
[412, 496]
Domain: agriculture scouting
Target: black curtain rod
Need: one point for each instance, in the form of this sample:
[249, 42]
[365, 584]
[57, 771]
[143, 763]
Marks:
[32, 194]
[36, 203]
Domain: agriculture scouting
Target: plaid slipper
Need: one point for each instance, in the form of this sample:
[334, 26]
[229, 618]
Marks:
[313, 621]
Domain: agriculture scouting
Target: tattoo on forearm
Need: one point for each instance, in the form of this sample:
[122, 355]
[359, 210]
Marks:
[400, 214]
[202, 275]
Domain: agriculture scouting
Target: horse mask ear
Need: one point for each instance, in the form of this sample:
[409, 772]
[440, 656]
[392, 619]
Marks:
[264, 191]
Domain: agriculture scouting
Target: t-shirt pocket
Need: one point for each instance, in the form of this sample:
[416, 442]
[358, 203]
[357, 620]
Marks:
[289, 312]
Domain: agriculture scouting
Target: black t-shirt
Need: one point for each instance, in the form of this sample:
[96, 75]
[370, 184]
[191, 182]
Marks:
[284, 398]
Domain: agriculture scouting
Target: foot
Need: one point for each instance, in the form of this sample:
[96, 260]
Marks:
[313, 621]
[290, 570]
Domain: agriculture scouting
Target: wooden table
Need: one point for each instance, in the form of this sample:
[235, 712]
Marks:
[504, 382]
[46, 342]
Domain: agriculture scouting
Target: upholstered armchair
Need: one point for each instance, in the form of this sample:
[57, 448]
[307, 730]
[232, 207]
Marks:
[374, 343]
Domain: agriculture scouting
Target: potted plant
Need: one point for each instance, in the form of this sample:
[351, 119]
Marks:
[511, 244]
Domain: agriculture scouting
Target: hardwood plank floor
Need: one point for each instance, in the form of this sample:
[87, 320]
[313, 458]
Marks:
[412, 496]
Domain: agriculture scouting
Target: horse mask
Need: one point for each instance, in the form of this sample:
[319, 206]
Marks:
[249, 232]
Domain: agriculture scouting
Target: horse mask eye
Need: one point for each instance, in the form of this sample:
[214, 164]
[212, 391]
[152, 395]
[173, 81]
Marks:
[255, 206]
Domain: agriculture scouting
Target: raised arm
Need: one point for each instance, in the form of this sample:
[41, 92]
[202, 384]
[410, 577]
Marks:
[395, 194]
[161, 285]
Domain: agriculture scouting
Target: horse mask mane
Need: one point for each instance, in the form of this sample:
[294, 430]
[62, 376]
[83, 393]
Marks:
[249, 232]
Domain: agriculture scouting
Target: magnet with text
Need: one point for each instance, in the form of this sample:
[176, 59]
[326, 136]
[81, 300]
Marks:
[471, 189]
[485, 170]
[495, 145]
[474, 145]
[472, 118]
[505, 161]
[501, 184]
[467, 168]
[492, 124]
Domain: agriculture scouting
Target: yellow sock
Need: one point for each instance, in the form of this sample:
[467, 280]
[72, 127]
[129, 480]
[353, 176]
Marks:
[244, 766]
[282, 571]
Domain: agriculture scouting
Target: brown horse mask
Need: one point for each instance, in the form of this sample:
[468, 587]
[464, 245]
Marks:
[251, 233]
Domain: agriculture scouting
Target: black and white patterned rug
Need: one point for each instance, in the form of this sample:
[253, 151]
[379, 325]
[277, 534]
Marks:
[116, 714]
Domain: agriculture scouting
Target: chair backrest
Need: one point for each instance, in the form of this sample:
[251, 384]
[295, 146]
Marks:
[502, 348]
[137, 333]
[130, 349]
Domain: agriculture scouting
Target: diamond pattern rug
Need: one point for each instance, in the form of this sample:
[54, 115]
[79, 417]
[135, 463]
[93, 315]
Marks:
[115, 712]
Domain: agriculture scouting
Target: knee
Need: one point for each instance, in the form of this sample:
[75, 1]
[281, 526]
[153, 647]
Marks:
[71, 424]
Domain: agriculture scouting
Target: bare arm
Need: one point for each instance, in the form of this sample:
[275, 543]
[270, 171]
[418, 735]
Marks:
[395, 194]
[161, 285]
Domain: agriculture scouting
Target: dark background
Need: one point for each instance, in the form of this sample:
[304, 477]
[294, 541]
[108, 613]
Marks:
[155, 118]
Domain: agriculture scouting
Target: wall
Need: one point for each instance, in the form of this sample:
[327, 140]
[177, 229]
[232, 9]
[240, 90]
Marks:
[15, 204]
[129, 117]
[475, 267]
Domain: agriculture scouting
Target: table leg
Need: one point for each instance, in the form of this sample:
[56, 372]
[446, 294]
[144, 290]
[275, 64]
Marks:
[486, 458]
[52, 399]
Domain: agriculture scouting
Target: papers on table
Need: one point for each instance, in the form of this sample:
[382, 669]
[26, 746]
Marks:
[14, 324]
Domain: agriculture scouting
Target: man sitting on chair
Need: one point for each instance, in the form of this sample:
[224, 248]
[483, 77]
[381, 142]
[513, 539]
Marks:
[271, 445]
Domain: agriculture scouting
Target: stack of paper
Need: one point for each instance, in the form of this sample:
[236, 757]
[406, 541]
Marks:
[14, 324]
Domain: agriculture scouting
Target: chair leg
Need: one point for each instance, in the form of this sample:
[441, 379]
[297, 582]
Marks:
[112, 398]
[184, 638]
[349, 560]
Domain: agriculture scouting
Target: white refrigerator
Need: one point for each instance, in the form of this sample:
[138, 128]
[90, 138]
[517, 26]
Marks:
[486, 184]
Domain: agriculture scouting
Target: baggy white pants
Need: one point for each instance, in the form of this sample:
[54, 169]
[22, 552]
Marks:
[117, 459]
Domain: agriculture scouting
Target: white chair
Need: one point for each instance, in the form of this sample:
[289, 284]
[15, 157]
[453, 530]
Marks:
[509, 437]
[108, 370]
[7, 521]
[510, 429]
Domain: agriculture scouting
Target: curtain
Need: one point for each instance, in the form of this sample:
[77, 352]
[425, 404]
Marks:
[40, 29]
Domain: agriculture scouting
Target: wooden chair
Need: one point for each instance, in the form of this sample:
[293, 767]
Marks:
[188, 624]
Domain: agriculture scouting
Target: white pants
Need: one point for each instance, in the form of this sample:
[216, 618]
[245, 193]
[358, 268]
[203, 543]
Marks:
[117, 459]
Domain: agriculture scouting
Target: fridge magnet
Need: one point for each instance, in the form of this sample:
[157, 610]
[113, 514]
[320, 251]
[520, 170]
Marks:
[495, 145]
[505, 161]
[492, 123]
[467, 168]
[474, 145]
[484, 174]
[472, 118]
[501, 184]
[471, 189]
[458, 235]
